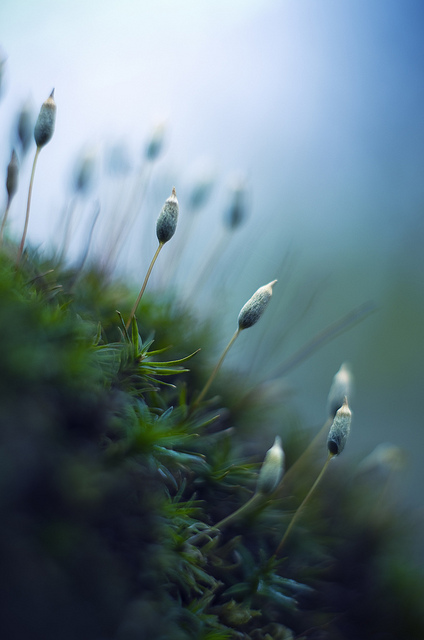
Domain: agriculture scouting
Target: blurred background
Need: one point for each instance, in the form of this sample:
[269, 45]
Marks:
[310, 113]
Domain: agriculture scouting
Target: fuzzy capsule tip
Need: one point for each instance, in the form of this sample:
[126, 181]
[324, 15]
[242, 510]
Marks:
[237, 211]
[44, 127]
[341, 387]
[167, 221]
[12, 176]
[339, 430]
[272, 468]
[155, 144]
[254, 308]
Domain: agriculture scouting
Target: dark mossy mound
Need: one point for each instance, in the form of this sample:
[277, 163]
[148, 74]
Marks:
[110, 487]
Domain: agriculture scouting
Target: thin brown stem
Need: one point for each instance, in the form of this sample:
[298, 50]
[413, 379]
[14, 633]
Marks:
[303, 458]
[146, 279]
[214, 372]
[302, 504]
[31, 182]
[245, 508]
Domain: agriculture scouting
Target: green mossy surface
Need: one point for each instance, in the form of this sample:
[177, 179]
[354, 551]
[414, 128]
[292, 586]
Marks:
[110, 487]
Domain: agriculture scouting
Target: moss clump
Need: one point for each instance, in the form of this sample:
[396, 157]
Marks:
[110, 490]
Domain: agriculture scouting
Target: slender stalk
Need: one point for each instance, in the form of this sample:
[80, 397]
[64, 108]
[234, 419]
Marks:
[183, 240]
[329, 333]
[208, 265]
[149, 271]
[308, 451]
[240, 512]
[214, 372]
[67, 229]
[302, 504]
[21, 247]
[84, 256]
[133, 206]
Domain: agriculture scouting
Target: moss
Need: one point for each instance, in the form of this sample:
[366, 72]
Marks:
[109, 491]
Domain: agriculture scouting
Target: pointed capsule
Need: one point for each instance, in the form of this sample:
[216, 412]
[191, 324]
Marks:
[202, 188]
[84, 172]
[167, 220]
[44, 127]
[12, 176]
[155, 144]
[384, 459]
[341, 388]
[237, 209]
[272, 468]
[339, 430]
[25, 126]
[254, 308]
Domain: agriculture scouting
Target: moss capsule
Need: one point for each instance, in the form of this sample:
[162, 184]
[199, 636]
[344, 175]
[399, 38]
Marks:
[167, 220]
[254, 308]
[341, 388]
[44, 127]
[272, 468]
[339, 430]
[12, 176]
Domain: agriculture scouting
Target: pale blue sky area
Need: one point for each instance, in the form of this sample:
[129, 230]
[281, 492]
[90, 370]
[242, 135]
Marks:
[319, 102]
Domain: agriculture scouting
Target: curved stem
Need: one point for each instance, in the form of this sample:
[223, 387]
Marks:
[214, 372]
[31, 182]
[309, 449]
[207, 267]
[149, 271]
[240, 512]
[67, 230]
[131, 210]
[302, 504]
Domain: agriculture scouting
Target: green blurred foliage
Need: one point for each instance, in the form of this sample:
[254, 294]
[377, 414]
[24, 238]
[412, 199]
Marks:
[110, 487]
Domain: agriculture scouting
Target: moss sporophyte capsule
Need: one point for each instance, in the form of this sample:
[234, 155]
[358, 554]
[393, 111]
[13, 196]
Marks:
[165, 229]
[248, 316]
[254, 308]
[167, 220]
[24, 127]
[44, 127]
[11, 188]
[155, 144]
[341, 388]
[43, 132]
[339, 430]
[12, 176]
[272, 468]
